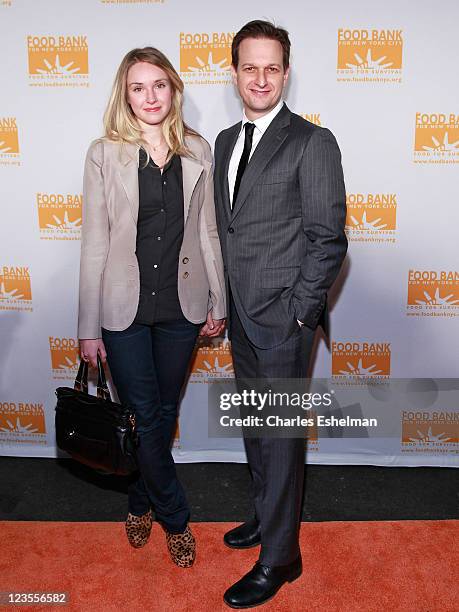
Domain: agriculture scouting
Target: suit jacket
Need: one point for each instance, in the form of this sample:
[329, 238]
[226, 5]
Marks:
[109, 271]
[283, 243]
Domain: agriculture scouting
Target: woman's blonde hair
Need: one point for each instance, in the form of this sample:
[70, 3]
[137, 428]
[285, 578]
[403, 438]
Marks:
[120, 123]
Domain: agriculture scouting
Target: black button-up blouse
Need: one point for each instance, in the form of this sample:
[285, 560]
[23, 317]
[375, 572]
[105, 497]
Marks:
[159, 239]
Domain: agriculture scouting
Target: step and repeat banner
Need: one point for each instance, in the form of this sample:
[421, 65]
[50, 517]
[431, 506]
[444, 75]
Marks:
[381, 76]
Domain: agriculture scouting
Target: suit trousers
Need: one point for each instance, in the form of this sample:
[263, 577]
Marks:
[276, 464]
[148, 364]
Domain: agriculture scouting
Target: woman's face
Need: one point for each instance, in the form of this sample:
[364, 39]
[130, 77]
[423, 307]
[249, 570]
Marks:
[149, 93]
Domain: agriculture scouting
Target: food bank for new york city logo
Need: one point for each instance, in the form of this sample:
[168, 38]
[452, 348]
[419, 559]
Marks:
[20, 421]
[212, 360]
[64, 357]
[15, 288]
[58, 61]
[357, 360]
[205, 59]
[9, 141]
[430, 431]
[369, 55]
[433, 291]
[436, 138]
[59, 216]
[371, 217]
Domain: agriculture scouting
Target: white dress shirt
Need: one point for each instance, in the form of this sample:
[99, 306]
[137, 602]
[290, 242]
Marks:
[261, 125]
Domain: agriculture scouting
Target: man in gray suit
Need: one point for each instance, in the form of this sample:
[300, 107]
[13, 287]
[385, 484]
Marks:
[281, 210]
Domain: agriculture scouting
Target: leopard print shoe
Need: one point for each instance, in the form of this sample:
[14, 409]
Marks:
[182, 547]
[138, 529]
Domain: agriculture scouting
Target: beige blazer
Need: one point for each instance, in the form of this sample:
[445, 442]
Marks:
[109, 272]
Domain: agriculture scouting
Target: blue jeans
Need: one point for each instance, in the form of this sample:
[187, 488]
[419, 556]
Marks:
[148, 366]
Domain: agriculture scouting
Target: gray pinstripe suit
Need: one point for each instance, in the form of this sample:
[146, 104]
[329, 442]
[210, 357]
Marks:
[283, 244]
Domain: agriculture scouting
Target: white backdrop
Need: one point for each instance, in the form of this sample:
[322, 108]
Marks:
[381, 76]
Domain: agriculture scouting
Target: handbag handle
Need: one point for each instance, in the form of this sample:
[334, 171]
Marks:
[81, 380]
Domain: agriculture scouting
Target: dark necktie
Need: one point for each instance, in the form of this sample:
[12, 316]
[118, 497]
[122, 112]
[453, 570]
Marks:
[249, 127]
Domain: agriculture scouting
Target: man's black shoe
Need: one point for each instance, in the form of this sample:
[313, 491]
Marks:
[261, 584]
[246, 535]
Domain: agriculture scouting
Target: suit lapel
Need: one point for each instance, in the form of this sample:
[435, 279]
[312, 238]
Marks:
[269, 144]
[229, 145]
[191, 171]
[129, 175]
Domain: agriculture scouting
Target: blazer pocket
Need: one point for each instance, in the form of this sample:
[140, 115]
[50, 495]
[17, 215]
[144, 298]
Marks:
[272, 178]
[279, 277]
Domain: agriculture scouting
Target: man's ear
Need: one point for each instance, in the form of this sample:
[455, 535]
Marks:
[234, 74]
[286, 75]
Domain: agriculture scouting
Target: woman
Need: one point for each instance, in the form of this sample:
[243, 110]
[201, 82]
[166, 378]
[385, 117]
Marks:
[151, 274]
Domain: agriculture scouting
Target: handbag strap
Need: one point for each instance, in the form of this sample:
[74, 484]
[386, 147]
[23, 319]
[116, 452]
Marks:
[102, 387]
[81, 380]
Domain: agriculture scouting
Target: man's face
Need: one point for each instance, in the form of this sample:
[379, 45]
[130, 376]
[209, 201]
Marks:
[260, 76]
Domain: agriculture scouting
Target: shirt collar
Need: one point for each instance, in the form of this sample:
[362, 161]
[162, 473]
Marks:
[263, 123]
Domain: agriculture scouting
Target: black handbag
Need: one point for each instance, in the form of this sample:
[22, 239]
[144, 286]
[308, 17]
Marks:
[94, 430]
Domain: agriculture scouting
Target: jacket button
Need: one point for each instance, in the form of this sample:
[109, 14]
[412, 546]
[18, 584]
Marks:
[185, 260]
[185, 275]
[231, 230]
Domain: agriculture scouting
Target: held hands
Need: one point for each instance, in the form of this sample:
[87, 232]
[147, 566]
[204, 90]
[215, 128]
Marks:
[212, 327]
[90, 347]
[89, 350]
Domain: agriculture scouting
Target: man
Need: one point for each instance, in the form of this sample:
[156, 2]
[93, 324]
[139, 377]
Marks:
[281, 210]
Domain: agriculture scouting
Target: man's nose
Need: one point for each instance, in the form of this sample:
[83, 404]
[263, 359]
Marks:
[261, 78]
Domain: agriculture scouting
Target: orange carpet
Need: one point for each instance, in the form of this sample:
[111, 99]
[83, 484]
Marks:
[405, 566]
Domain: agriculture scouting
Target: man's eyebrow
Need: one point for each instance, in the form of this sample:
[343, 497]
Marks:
[252, 64]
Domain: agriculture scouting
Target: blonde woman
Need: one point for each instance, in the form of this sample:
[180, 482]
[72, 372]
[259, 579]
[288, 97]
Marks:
[151, 276]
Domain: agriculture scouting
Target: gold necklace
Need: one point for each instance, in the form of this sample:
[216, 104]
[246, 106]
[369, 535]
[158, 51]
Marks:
[159, 146]
[160, 160]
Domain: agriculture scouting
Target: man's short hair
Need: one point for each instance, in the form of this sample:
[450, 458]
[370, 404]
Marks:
[261, 29]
